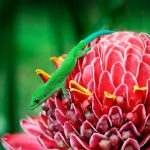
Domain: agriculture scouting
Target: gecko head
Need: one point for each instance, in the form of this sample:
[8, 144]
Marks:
[38, 98]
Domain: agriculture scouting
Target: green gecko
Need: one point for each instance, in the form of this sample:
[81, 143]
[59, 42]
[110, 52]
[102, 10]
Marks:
[57, 81]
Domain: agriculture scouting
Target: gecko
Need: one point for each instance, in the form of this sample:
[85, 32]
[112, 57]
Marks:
[57, 80]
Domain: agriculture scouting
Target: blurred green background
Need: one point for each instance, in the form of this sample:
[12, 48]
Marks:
[33, 30]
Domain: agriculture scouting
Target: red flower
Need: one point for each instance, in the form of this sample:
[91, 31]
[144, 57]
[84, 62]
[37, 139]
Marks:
[109, 107]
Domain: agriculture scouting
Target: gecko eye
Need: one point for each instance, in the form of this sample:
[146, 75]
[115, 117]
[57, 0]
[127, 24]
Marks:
[36, 100]
[44, 95]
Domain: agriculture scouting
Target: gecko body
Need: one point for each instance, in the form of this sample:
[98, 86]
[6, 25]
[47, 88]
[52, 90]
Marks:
[57, 80]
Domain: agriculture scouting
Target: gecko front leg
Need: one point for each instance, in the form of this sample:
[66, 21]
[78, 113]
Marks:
[65, 93]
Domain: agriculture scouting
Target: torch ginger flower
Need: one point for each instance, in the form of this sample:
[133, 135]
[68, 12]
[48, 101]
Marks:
[109, 108]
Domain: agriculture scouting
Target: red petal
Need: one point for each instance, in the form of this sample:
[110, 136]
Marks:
[54, 126]
[75, 141]
[147, 103]
[118, 48]
[147, 49]
[113, 131]
[42, 126]
[146, 127]
[97, 51]
[123, 44]
[117, 72]
[135, 41]
[131, 63]
[86, 130]
[20, 141]
[47, 142]
[131, 49]
[97, 72]
[59, 105]
[122, 90]
[33, 119]
[96, 139]
[78, 96]
[91, 86]
[105, 84]
[75, 71]
[78, 78]
[78, 113]
[96, 107]
[87, 109]
[51, 105]
[88, 58]
[73, 119]
[86, 106]
[61, 141]
[101, 49]
[144, 37]
[79, 63]
[121, 93]
[146, 59]
[104, 124]
[111, 58]
[48, 131]
[130, 81]
[147, 43]
[87, 75]
[114, 137]
[66, 102]
[108, 103]
[69, 129]
[143, 74]
[120, 35]
[130, 144]
[30, 128]
[129, 130]
[60, 117]
[44, 119]
[89, 115]
[145, 140]
[106, 49]
[140, 111]
[116, 116]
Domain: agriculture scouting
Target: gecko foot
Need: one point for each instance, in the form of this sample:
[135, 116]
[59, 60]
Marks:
[66, 94]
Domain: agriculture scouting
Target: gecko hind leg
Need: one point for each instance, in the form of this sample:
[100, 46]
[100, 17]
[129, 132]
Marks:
[84, 52]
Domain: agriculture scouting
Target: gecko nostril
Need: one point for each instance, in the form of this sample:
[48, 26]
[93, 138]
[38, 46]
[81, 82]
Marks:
[44, 95]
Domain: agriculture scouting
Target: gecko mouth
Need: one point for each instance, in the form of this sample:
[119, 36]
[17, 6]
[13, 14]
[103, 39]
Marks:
[31, 107]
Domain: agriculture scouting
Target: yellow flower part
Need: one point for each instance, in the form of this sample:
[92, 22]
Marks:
[108, 95]
[136, 88]
[45, 76]
[75, 87]
[58, 60]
